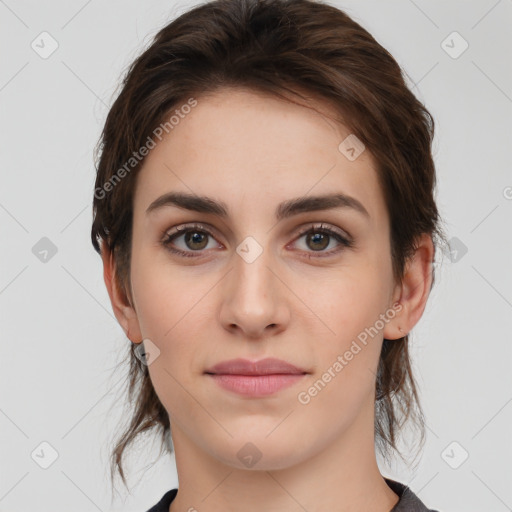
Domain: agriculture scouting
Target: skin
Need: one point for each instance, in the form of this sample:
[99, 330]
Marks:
[253, 151]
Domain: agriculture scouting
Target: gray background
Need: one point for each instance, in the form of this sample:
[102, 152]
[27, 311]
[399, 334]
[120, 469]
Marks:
[60, 341]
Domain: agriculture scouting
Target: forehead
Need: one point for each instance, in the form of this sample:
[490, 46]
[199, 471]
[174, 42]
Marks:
[251, 149]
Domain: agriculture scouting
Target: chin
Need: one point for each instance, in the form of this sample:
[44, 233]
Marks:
[260, 453]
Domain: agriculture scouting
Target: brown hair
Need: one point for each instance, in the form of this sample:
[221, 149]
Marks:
[275, 46]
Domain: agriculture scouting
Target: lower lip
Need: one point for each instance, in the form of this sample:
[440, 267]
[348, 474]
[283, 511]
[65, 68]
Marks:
[256, 385]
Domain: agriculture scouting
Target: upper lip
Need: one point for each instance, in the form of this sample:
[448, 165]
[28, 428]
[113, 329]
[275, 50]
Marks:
[267, 366]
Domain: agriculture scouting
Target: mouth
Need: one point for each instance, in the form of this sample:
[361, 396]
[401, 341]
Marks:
[255, 378]
[255, 385]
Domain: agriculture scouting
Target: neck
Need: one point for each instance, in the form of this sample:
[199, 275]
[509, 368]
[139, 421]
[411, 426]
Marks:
[343, 476]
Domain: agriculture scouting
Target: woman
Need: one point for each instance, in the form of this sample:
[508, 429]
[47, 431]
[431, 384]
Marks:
[264, 208]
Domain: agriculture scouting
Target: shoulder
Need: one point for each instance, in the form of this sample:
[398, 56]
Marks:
[164, 503]
[408, 501]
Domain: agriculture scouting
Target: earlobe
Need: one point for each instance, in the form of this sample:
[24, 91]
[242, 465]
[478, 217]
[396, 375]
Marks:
[414, 290]
[123, 310]
[395, 329]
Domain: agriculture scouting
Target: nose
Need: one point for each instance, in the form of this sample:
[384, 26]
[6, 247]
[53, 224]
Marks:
[254, 299]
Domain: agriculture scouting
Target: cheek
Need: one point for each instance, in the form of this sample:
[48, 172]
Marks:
[351, 309]
[162, 298]
[167, 311]
[351, 302]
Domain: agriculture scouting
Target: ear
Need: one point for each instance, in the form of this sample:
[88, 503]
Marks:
[123, 309]
[414, 290]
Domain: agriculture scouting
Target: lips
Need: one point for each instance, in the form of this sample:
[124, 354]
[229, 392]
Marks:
[268, 366]
[255, 379]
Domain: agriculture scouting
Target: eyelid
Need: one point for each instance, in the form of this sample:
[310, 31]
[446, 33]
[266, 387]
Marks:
[305, 228]
[320, 226]
[167, 233]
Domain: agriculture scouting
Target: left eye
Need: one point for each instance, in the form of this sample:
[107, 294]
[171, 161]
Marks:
[196, 239]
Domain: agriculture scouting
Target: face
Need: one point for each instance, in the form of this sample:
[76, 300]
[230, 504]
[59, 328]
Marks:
[306, 286]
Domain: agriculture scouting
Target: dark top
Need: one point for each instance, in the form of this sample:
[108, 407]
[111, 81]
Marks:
[408, 502]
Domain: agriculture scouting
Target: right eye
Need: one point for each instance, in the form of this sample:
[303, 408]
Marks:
[195, 238]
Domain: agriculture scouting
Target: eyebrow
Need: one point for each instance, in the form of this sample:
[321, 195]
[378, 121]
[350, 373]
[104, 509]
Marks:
[204, 204]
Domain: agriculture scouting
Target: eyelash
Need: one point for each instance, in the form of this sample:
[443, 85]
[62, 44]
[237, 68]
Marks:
[345, 243]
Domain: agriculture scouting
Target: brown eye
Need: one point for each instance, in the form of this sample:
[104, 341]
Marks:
[318, 238]
[319, 241]
[192, 241]
[187, 240]
[195, 240]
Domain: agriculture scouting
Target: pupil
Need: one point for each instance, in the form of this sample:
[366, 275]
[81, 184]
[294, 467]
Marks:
[195, 237]
[315, 239]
